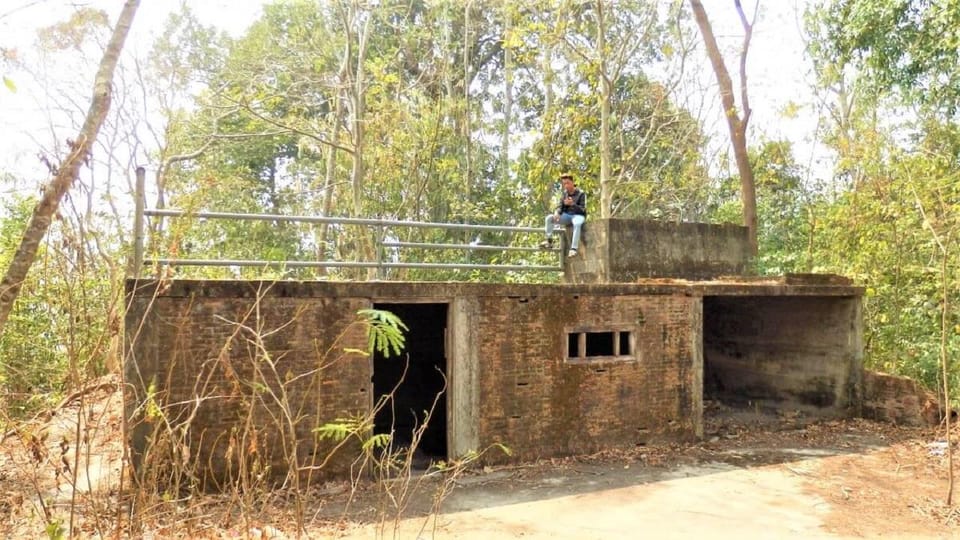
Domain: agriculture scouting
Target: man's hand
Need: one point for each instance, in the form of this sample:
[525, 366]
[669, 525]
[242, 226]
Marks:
[556, 218]
[568, 201]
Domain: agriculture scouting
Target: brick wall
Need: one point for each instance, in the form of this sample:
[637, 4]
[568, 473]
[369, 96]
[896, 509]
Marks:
[193, 352]
[541, 406]
[899, 400]
[217, 367]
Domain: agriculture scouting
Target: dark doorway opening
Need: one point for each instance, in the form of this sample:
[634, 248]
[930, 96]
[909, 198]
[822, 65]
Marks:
[780, 358]
[416, 378]
[740, 380]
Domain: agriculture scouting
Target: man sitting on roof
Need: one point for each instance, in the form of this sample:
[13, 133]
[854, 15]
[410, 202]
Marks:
[571, 210]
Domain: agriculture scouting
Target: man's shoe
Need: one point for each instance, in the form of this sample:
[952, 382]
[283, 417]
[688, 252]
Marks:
[547, 244]
[572, 253]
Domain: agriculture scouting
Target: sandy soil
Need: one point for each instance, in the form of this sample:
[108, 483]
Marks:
[754, 475]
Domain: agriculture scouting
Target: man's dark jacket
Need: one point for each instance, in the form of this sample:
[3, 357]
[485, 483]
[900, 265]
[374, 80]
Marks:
[579, 205]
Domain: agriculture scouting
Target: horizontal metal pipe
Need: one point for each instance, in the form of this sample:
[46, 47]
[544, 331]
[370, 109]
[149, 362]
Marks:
[478, 247]
[339, 220]
[346, 264]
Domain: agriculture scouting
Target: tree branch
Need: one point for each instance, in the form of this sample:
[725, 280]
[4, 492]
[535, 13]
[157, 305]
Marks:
[747, 35]
[68, 171]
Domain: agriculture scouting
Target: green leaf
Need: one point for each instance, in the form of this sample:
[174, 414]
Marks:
[8, 82]
[336, 431]
[384, 331]
[55, 530]
[380, 440]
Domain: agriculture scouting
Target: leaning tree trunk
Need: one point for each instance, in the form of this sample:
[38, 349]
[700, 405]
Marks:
[736, 124]
[66, 174]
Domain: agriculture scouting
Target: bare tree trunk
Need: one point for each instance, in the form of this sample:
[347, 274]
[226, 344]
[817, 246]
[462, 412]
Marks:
[945, 365]
[468, 149]
[606, 185]
[328, 183]
[507, 93]
[358, 97]
[357, 88]
[736, 124]
[331, 161]
[546, 120]
[947, 409]
[66, 174]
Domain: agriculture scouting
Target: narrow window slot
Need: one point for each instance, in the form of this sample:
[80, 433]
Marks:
[596, 345]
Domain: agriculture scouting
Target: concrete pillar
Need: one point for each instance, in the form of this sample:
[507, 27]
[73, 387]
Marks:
[463, 397]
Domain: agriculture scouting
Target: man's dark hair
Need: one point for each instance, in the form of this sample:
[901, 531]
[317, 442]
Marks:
[567, 176]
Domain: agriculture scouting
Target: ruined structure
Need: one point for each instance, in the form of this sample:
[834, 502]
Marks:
[625, 352]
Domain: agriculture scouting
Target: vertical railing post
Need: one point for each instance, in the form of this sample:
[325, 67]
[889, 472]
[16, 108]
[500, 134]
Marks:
[381, 274]
[139, 203]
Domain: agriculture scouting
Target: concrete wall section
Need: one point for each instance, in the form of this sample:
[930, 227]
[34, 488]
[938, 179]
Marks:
[625, 250]
[787, 352]
[686, 250]
[463, 400]
[540, 405]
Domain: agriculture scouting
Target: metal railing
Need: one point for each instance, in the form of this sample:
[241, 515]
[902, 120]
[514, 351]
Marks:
[382, 224]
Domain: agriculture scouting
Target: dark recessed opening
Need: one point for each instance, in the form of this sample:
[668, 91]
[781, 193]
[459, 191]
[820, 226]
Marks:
[573, 350]
[625, 343]
[600, 343]
[774, 352]
[414, 393]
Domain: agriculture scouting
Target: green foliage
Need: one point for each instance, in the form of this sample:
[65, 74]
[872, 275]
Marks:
[285, 104]
[656, 149]
[384, 331]
[71, 34]
[152, 410]
[891, 221]
[60, 329]
[340, 429]
[55, 530]
[378, 441]
[876, 231]
[343, 428]
[32, 360]
[783, 208]
[905, 46]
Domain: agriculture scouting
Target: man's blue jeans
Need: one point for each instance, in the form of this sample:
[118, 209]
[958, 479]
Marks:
[566, 219]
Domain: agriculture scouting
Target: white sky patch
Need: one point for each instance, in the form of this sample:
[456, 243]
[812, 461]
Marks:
[32, 124]
[779, 77]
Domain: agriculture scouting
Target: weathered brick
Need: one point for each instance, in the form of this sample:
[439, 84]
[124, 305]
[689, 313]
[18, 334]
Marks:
[219, 358]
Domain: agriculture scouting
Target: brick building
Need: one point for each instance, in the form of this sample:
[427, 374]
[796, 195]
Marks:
[618, 355]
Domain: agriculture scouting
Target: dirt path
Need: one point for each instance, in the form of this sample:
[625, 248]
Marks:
[709, 500]
[852, 479]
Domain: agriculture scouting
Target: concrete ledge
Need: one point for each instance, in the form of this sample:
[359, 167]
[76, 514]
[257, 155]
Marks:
[625, 250]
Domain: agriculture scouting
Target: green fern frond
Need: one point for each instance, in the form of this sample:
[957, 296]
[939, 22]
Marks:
[380, 440]
[384, 331]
